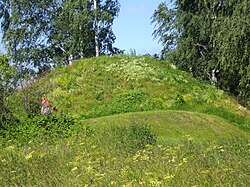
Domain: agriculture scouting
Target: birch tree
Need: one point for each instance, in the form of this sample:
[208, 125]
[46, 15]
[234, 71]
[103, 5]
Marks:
[43, 33]
[210, 39]
[96, 29]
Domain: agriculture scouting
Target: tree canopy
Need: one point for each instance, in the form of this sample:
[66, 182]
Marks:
[41, 33]
[210, 39]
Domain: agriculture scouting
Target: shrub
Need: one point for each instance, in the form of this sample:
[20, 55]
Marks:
[131, 101]
[41, 127]
[179, 99]
[155, 104]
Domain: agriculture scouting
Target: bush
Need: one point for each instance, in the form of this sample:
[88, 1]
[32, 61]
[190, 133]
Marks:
[131, 101]
[41, 127]
[155, 104]
[128, 102]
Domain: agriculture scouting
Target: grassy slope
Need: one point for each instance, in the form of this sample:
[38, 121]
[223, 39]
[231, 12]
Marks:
[105, 86]
[174, 126]
[203, 134]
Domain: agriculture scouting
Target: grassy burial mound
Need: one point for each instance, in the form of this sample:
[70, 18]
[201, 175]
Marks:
[125, 121]
[105, 86]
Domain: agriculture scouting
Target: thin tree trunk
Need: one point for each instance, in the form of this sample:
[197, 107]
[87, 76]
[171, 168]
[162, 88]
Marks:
[96, 30]
[70, 59]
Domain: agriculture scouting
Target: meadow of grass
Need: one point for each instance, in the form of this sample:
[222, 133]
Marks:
[125, 121]
[126, 155]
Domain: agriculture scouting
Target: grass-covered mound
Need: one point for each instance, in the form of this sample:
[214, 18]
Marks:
[111, 85]
[172, 126]
[125, 121]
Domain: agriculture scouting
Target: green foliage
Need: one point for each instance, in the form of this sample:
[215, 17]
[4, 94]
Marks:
[166, 27]
[131, 101]
[25, 102]
[37, 39]
[133, 69]
[8, 80]
[47, 128]
[179, 99]
[209, 39]
[25, 39]
[155, 104]
[128, 102]
[112, 85]
[132, 52]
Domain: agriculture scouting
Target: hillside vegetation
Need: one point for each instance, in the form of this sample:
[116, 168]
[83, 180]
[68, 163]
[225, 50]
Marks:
[110, 85]
[125, 121]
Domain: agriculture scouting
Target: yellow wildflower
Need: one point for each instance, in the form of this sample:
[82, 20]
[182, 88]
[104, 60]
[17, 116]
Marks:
[10, 148]
[73, 169]
[29, 156]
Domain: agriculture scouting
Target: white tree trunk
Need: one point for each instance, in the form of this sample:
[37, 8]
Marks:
[96, 30]
[214, 78]
[70, 59]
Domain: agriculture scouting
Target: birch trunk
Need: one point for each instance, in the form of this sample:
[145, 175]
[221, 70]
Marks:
[96, 30]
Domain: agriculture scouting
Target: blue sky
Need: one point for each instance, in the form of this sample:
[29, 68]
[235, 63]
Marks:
[132, 28]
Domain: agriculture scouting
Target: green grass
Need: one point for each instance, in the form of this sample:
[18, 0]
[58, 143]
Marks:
[173, 126]
[125, 121]
[126, 154]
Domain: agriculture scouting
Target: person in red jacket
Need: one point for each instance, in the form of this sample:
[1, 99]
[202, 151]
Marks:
[45, 108]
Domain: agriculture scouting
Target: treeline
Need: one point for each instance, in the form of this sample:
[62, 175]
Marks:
[208, 38]
[42, 33]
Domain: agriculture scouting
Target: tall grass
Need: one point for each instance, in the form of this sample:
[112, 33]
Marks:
[108, 159]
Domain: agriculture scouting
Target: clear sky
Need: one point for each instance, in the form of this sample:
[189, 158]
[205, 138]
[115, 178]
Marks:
[132, 28]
